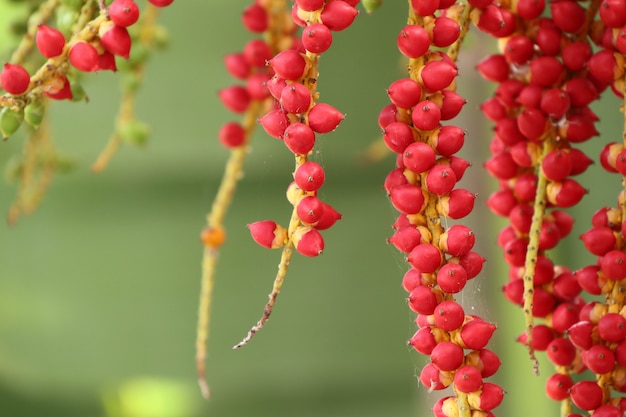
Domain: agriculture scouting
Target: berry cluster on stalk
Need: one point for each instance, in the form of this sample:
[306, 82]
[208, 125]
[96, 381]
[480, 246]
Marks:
[297, 117]
[271, 19]
[72, 38]
[551, 67]
[423, 188]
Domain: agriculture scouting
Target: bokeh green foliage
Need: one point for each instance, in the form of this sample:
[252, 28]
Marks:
[98, 289]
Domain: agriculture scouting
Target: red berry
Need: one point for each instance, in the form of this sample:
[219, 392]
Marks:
[613, 265]
[116, 39]
[308, 241]
[558, 386]
[457, 240]
[405, 93]
[475, 334]
[546, 71]
[580, 334]
[451, 278]
[309, 176]
[289, 64]
[519, 49]
[613, 13]
[295, 98]
[441, 179]
[237, 65]
[451, 105]
[407, 199]
[434, 379]
[329, 217]
[299, 138]
[437, 75]
[275, 123]
[161, 3]
[61, 90]
[14, 79]
[457, 204]
[425, 258]
[235, 98]
[587, 395]
[232, 135]
[445, 32]
[317, 38]
[494, 68]
[399, 136]
[84, 56]
[541, 336]
[449, 315]
[561, 352]
[566, 193]
[426, 115]
[124, 12]
[425, 7]
[468, 379]
[106, 61]
[599, 359]
[50, 41]
[309, 210]
[575, 55]
[418, 157]
[447, 356]
[255, 18]
[530, 9]
[612, 327]
[502, 166]
[599, 240]
[413, 41]
[324, 118]
[568, 15]
[472, 263]
[338, 15]
[406, 238]
[310, 5]
[423, 300]
[268, 234]
[487, 398]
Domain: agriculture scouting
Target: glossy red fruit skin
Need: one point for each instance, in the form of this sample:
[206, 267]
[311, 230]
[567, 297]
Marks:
[329, 217]
[124, 12]
[408, 199]
[398, 137]
[255, 18]
[476, 334]
[64, 92]
[568, 15]
[587, 395]
[84, 57]
[445, 32]
[289, 64]
[116, 40]
[468, 379]
[338, 15]
[426, 115]
[14, 79]
[613, 264]
[437, 75]
[274, 123]
[309, 176]
[423, 300]
[310, 5]
[317, 38]
[106, 62]
[235, 98]
[263, 232]
[447, 356]
[232, 135]
[425, 258]
[404, 93]
[558, 386]
[324, 118]
[451, 278]
[413, 41]
[309, 210]
[299, 138]
[50, 41]
[295, 98]
[418, 157]
[161, 3]
[310, 243]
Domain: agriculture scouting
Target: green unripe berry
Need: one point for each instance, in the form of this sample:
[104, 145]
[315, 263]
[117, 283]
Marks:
[33, 114]
[134, 132]
[371, 6]
[10, 121]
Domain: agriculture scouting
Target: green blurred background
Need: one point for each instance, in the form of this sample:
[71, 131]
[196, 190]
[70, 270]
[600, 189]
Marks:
[99, 288]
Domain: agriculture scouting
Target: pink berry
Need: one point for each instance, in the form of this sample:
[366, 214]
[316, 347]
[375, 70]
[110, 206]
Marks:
[406, 238]
[407, 198]
[457, 204]
[329, 217]
[161, 3]
[587, 395]
[423, 300]
[425, 258]
[268, 234]
[309, 176]
[50, 41]
[124, 12]
[84, 56]
[232, 135]
[426, 115]
[299, 138]
[468, 379]
[405, 93]
[451, 278]
[14, 79]
[338, 15]
[447, 356]
[558, 386]
[437, 75]
[475, 334]
[457, 240]
[235, 98]
[310, 210]
[441, 179]
[255, 18]
[308, 241]
[295, 98]
[424, 341]
[237, 65]
[317, 38]
[116, 40]
[289, 64]
[487, 398]
[413, 41]
[275, 123]
[324, 118]
[418, 157]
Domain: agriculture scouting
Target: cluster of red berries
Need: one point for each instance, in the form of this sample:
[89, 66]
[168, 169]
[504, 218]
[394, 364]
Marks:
[423, 188]
[548, 74]
[297, 117]
[90, 50]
